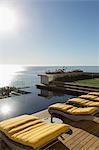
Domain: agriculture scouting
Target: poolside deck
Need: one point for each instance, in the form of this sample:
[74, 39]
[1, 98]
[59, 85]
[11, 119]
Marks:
[85, 134]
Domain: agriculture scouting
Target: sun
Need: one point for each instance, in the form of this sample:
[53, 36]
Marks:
[8, 19]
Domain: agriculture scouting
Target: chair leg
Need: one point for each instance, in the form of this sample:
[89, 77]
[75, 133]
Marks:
[52, 119]
[62, 137]
[69, 132]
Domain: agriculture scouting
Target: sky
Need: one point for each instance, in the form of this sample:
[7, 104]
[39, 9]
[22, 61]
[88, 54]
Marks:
[50, 33]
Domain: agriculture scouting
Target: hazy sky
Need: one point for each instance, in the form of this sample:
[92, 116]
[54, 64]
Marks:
[51, 32]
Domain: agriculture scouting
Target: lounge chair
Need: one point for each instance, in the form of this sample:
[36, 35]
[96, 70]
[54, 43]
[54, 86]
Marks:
[94, 93]
[29, 132]
[72, 112]
[83, 102]
[90, 97]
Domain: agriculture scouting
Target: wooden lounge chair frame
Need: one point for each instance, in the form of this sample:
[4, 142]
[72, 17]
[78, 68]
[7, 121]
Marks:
[71, 117]
[14, 145]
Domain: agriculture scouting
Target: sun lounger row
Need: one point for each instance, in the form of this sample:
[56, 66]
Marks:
[28, 132]
[84, 107]
[89, 100]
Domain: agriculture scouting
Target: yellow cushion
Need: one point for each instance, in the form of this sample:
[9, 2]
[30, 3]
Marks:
[78, 100]
[83, 102]
[73, 110]
[89, 97]
[92, 104]
[94, 93]
[83, 111]
[60, 106]
[96, 99]
[31, 131]
[41, 135]
[17, 121]
[23, 126]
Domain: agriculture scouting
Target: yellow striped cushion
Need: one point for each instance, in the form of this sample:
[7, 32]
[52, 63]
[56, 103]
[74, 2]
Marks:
[31, 131]
[78, 100]
[89, 97]
[60, 106]
[83, 102]
[92, 104]
[73, 110]
[83, 111]
[94, 93]
[96, 99]
[14, 122]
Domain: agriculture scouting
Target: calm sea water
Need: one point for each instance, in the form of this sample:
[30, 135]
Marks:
[22, 76]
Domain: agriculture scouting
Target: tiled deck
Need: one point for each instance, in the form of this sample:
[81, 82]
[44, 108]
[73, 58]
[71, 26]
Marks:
[85, 134]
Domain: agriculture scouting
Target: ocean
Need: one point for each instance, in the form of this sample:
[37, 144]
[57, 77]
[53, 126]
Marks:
[37, 100]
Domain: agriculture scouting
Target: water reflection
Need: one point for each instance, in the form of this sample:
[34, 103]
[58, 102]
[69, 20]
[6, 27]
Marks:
[5, 109]
[29, 103]
[50, 94]
[7, 74]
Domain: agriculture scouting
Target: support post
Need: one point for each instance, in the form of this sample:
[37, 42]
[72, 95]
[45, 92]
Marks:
[51, 118]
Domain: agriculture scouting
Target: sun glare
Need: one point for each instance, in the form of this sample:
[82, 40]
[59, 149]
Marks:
[8, 19]
[5, 109]
[7, 74]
